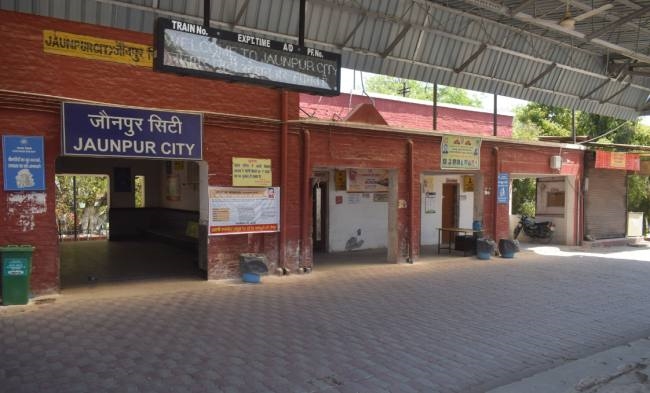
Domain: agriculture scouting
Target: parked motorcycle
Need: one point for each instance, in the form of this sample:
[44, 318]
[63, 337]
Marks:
[535, 230]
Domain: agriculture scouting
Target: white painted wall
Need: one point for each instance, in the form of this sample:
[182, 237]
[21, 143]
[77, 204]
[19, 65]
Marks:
[357, 211]
[187, 178]
[430, 222]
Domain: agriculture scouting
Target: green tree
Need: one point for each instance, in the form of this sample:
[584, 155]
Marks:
[420, 90]
[534, 120]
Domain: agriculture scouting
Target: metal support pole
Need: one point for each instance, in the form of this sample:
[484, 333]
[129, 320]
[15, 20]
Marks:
[435, 106]
[206, 13]
[573, 124]
[74, 204]
[301, 24]
[495, 115]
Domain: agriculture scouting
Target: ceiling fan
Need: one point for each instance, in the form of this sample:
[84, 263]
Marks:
[569, 21]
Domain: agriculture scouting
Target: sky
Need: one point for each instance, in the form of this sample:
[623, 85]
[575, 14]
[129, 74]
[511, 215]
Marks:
[505, 105]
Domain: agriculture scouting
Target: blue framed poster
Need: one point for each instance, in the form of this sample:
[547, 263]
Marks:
[23, 163]
[503, 188]
[115, 131]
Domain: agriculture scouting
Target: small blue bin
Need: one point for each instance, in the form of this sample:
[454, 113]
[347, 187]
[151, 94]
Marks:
[250, 278]
[483, 255]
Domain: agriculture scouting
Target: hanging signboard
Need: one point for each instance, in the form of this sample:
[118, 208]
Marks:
[617, 160]
[112, 131]
[244, 210]
[251, 172]
[23, 163]
[189, 49]
[367, 180]
[503, 188]
[460, 152]
[94, 48]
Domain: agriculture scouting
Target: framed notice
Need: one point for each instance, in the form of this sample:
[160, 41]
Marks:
[367, 180]
[235, 210]
[251, 172]
[503, 188]
[617, 160]
[23, 163]
[460, 152]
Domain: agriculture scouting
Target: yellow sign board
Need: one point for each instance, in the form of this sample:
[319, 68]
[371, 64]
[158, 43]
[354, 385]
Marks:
[251, 172]
[460, 152]
[468, 183]
[94, 48]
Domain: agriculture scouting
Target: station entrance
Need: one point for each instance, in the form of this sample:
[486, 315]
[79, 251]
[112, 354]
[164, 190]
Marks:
[128, 220]
[352, 219]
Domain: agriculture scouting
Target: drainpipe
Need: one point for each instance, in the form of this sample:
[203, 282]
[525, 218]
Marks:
[306, 188]
[495, 190]
[411, 185]
[284, 154]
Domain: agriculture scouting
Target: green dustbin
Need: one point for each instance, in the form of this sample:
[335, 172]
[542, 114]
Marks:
[16, 270]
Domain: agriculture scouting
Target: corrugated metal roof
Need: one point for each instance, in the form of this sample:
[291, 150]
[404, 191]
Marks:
[513, 48]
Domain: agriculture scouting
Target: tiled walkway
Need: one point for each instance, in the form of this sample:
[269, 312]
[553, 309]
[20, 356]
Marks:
[450, 325]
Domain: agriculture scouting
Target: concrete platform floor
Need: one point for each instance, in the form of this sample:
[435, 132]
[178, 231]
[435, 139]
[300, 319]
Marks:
[92, 262]
[440, 325]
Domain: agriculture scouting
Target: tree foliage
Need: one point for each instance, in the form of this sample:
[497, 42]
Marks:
[534, 120]
[85, 196]
[419, 90]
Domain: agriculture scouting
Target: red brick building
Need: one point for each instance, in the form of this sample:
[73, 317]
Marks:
[243, 120]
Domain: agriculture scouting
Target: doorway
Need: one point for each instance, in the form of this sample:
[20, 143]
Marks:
[449, 208]
[152, 231]
[319, 217]
[82, 207]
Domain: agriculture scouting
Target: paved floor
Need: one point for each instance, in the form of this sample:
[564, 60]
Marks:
[444, 325]
[99, 261]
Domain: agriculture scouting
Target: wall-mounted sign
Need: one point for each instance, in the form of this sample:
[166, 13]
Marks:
[251, 172]
[460, 152]
[190, 49]
[339, 180]
[244, 210]
[112, 131]
[23, 163]
[87, 47]
[617, 160]
[367, 180]
[503, 188]
[468, 183]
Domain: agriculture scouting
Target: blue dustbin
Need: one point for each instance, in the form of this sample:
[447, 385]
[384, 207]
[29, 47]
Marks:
[507, 248]
[252, 266]
[484, 249]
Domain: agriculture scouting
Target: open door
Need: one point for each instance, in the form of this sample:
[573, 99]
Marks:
[449, 208]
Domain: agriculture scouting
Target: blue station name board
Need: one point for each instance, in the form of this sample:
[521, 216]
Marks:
[111, 131]
[23, 163]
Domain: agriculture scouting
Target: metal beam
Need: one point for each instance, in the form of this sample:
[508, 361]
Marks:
[548, 69]
[397, 39]
[353, 32]
[240, 13]
[586, 96]
[615, 94]
[473, 57]
[520, 7]
[629, 17]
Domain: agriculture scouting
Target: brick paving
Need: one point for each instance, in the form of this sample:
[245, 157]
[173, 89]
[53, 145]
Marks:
[448, 325]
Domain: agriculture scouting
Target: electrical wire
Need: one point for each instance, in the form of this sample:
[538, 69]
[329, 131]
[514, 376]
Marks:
[602, 135]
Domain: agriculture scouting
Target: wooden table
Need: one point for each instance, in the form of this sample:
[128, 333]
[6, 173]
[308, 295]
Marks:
[452, 235]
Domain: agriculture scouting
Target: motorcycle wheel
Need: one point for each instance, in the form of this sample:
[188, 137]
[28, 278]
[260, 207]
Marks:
[547, 239]
[517, 231]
